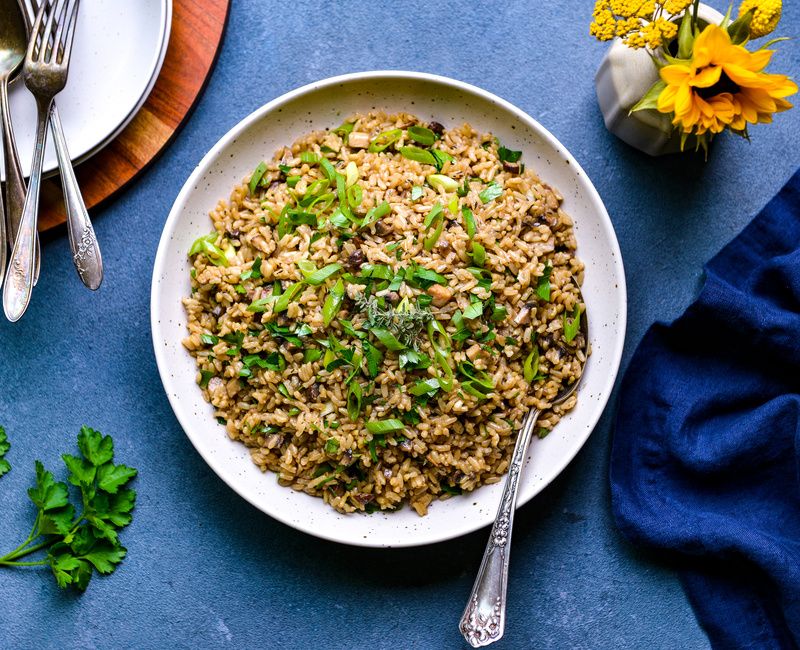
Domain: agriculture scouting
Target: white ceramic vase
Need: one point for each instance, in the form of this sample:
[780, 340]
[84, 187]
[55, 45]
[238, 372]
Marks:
[623, 78]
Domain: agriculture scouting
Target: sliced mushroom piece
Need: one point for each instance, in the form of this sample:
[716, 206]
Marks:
[440, 294]
[358, 140]
[523, 316]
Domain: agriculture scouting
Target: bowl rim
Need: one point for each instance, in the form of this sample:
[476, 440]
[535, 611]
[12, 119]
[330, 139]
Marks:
[592, 196]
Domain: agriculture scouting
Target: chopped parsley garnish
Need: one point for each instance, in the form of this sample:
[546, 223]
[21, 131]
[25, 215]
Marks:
[543, 284]
[508, 155]
[491, 192]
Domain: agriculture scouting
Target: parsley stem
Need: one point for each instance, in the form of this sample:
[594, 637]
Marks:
[27, 551]
[11, 563]
[30, 538]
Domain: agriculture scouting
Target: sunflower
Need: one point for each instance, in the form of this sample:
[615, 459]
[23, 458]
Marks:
[722, 85]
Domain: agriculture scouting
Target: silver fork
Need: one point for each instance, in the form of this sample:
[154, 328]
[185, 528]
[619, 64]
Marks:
[45, 75]
[83, 243]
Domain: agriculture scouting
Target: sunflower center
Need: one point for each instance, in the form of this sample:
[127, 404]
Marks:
[724, 85]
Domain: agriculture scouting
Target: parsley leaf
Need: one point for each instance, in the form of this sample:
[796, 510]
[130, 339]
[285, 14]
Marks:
[5, 445]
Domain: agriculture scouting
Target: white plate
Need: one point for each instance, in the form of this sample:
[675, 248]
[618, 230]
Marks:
[321, 105]
[118, 51]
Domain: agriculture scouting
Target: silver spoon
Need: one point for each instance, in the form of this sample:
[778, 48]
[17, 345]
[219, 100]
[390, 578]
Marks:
[13, 45]
[484, 618]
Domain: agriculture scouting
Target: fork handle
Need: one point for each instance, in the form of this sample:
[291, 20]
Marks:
[83, 243]
[21, 268]
[15, 180]
[484, 618]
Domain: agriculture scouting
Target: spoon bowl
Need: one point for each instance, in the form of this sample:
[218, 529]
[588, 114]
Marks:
[13, 38]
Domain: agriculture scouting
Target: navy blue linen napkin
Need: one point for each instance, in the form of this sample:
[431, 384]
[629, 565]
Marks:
[706, 455]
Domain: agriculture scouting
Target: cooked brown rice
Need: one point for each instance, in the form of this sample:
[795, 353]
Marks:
[283, 383]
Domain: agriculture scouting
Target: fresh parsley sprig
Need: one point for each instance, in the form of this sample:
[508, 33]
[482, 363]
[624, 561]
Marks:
[79, 542]
[5, 445]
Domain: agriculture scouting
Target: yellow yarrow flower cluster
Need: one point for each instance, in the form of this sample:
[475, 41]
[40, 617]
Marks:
[766, 14]
[635, 21]
[674, 7]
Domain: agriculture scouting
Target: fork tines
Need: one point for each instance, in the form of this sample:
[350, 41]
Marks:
[58, 15]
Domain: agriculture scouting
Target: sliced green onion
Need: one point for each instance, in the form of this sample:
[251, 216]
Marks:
[309, 157]
[480, 379]
[344, 130]
[376, 213]
[317, 187]
[383, 140]
[453, 205]
[430, 241]
[351, 173]
[256, 177]
[572, 325]
[434, 212]
[282, 303]
[531, 366]
[438, 336]
[317, 277]
[469, 221]
[380, 427]
[322, 202]
[206, 246]
[463, 190]
[291, 181]
[355, 195]
[416, 192]
[387, 339]
[478, 254]
[469, 387]
[422, 134]
[491, 192]
[341, 193]
[333, 302]
[419, 155]
[543, 284]
[354, 396]
[446, 378]
[440, 181]
[328, 170]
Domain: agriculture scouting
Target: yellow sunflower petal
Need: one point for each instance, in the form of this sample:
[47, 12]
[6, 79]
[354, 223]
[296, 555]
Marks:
[707, 77]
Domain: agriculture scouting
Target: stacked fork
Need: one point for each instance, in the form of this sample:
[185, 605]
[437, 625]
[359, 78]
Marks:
[45, 74]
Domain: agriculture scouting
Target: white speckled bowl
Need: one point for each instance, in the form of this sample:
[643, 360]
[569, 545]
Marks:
[324, 104]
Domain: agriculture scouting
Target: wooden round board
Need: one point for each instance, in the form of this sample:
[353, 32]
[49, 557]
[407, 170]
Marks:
[197, 28]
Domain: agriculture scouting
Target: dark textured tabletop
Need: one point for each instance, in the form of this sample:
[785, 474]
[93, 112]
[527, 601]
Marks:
[204, 568]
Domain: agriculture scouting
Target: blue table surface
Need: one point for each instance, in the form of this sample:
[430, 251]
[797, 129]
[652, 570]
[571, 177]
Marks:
[204, 568]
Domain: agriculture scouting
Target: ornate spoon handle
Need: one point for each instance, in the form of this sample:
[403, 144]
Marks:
[484, 618]
[83, 243]
[22, 266]
[15, 180]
